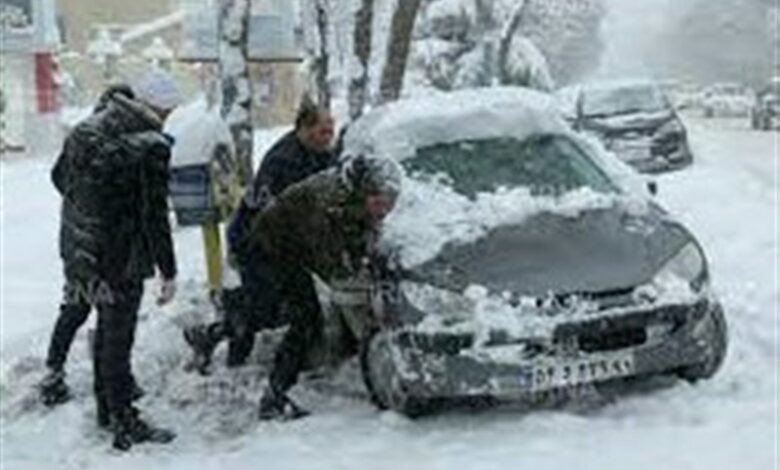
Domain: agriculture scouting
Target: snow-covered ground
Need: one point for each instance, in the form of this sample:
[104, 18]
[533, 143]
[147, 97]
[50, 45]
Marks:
[728, 198]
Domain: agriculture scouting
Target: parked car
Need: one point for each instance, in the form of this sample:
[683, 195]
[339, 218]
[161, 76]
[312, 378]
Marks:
[727, 100]
[683, 95]
[635, 120]
[526, 261]
[765, 114]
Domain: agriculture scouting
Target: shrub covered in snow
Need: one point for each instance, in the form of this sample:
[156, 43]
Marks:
[534, 43]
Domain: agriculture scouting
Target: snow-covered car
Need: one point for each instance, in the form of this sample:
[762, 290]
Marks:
[528, 260]
[765, 114]
[683, 96]
[726, 100]
[635, 120]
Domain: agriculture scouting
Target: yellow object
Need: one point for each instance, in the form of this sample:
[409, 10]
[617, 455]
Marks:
[212, 243]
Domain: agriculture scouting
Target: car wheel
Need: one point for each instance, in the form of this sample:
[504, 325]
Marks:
[716, 338]
[383, 391]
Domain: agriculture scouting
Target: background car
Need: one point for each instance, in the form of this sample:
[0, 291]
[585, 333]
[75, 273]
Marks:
[765, 114]
[726, 100]
[526, 261]
[635, 120]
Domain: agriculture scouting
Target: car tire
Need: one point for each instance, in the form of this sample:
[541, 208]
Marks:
[385, 394]
[716, 338]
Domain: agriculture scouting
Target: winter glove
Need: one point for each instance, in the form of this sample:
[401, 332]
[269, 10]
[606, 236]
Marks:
[167, 291]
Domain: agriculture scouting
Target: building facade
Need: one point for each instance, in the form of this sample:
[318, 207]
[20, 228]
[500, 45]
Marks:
[29, 102]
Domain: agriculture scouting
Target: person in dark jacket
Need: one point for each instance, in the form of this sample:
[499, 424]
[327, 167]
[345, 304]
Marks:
[326, 225]
[113, 177]
[301, 153]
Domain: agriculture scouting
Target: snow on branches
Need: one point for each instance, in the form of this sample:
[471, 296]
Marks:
[475, 43]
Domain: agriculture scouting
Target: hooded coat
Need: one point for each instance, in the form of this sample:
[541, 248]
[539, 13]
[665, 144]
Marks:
[113, 177]
[317, 224]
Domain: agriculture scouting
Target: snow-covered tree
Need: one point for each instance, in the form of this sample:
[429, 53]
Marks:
[357, 50]
[236, 85]
[472, 43]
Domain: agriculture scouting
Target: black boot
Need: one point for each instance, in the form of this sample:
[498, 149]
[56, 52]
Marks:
[53, 389]
[203, 339]
[277, 405]
[137, 392]
[130, 429]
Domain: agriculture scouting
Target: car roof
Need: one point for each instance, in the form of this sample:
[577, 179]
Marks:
[620, 83]
[396, 130]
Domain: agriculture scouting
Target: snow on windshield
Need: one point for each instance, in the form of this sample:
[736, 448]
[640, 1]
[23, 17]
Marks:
[430, 212]
[638, 98]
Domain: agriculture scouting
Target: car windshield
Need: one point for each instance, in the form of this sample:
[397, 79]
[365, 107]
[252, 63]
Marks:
[545, 164]
[607, 102]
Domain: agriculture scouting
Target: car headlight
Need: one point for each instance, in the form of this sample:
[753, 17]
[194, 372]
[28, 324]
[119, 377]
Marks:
[671, 128]
[684, 273]
[688, 264]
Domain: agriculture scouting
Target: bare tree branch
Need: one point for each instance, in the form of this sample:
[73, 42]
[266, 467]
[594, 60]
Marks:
[398, 49]
[505, 42]
[321, 63]
[358, 86]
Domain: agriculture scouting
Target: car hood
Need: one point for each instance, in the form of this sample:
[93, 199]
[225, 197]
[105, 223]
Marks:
[598, 251]
[642, 121]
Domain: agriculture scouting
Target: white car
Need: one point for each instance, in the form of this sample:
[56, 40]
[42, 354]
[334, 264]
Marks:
[727, 100]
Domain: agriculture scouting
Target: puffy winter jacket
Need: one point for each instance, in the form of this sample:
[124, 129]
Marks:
[113, 177]
[286, 163]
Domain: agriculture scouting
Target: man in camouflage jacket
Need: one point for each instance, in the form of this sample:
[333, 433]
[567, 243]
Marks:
[326, 225]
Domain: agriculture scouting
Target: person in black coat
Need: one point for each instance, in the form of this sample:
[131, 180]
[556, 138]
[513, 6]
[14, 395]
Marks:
[302, 152]
[112, 175]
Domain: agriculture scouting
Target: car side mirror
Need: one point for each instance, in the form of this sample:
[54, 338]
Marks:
[652, 188]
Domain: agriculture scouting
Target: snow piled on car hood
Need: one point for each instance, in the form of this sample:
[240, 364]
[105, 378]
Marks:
[430, 215]
[644, 120]
[483, 313]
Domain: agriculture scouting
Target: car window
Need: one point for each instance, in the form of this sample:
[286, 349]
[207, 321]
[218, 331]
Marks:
[607, 102]
[545, 164]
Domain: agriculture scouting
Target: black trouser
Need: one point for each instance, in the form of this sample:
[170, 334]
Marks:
[114, 337]
[253, 307]
[273, 297]
[74, 311]
[305, 331]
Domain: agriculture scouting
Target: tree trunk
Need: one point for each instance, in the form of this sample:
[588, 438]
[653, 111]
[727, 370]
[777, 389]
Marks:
[358, 85]
[321, 61]
[505, 41]
[398, 50]
[236, 85]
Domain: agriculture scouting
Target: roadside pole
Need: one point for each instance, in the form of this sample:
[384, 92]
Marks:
[236, 90]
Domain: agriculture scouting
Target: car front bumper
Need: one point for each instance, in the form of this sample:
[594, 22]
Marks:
[599, 348]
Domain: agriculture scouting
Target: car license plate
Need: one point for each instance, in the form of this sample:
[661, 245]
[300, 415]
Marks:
[570, 373]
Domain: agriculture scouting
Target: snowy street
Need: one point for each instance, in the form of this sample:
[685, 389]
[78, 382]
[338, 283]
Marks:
[728, 198]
